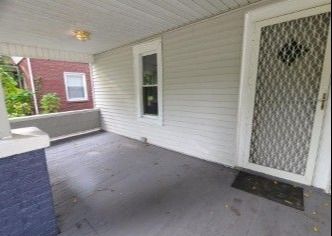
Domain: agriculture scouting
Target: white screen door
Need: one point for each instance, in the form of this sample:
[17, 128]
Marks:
[290, 80]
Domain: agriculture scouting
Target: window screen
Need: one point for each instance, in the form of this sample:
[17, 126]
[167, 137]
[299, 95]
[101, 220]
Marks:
[75, 84]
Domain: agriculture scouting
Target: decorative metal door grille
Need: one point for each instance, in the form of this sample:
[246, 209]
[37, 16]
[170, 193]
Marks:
[291, 58]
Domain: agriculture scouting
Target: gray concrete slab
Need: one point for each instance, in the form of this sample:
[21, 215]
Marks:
[108, 185]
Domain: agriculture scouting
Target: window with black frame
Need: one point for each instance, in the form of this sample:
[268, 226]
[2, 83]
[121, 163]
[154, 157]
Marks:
[150, 84]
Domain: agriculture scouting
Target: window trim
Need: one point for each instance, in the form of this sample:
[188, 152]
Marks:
[139, 51]
[86, 96]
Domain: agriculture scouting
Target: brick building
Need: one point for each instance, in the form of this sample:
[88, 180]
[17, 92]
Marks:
[70, 80]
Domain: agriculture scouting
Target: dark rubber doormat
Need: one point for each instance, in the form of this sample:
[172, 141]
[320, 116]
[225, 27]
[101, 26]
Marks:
[276, 191]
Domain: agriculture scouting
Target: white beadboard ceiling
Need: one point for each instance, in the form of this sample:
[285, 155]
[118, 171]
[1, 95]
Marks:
[113, 23]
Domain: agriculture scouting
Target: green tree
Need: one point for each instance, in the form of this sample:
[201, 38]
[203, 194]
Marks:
[18, 101]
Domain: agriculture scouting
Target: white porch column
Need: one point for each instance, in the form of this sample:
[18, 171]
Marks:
[4, 122]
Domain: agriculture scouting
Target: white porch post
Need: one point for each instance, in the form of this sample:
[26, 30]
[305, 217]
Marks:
[4, 122]
[33, 89]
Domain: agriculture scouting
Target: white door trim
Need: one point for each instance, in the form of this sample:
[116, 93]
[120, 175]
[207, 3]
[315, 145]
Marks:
[322, 178]
[257, 18]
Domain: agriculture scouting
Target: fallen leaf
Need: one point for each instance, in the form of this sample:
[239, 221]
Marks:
[102, 189]
[306, 195]
[288, 202]
[316, 229]
[314, 213]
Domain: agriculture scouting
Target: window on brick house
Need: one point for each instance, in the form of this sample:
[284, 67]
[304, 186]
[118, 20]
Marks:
[76, 89]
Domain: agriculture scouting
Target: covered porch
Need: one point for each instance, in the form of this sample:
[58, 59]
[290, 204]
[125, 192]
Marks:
[176, 115]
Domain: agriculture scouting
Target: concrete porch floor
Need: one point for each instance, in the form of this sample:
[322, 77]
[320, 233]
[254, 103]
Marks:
[105, 184]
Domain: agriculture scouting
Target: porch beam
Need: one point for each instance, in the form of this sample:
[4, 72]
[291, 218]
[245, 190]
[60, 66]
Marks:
[20, 50]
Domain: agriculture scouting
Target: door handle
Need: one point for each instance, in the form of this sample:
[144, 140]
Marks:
[323, 101]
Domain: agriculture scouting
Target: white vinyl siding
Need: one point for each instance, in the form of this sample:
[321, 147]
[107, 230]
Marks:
[201, 77]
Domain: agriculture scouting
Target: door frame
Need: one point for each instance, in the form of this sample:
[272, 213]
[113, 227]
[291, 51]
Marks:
[254, 20]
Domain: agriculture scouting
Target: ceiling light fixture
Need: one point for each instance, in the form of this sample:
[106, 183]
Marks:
[82, 35]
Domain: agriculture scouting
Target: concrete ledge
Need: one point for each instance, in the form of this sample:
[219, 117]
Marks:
[23, 140]
[61, 124]
[74, 135]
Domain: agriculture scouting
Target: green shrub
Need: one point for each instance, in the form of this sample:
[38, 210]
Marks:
[19, 104]
[50, 103]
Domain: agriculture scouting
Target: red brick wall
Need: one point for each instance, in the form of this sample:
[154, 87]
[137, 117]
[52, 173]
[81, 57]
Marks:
[50, 75]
